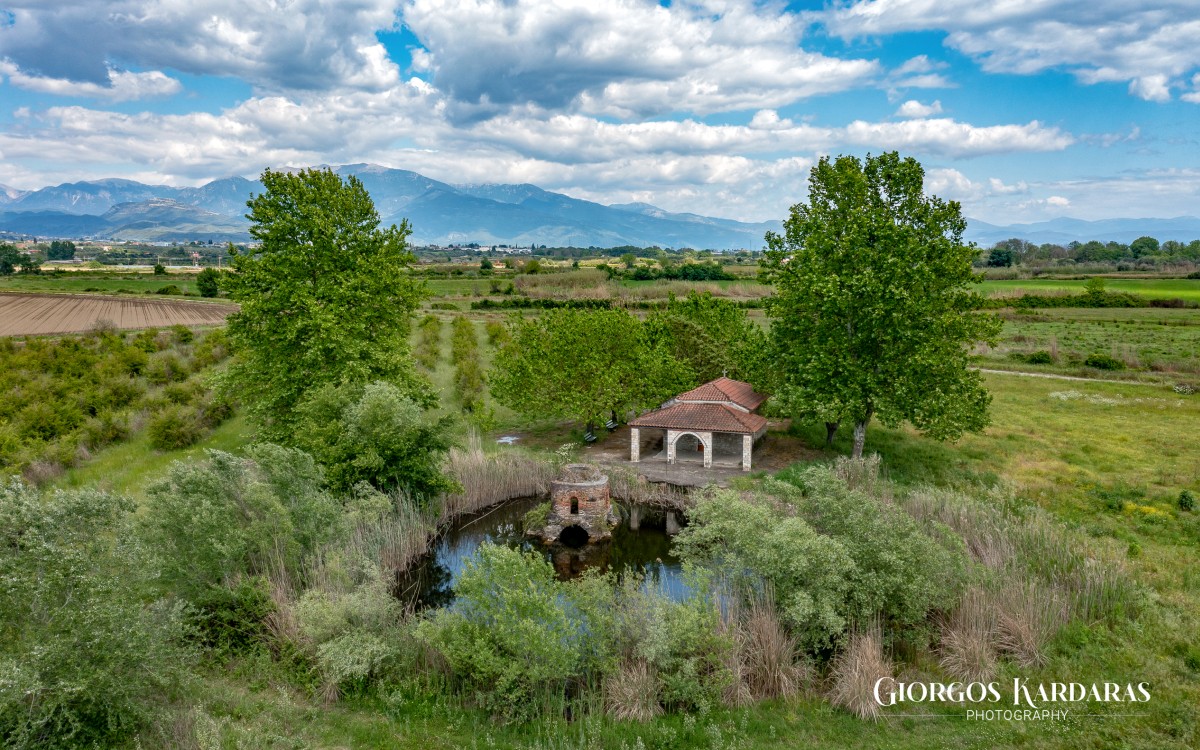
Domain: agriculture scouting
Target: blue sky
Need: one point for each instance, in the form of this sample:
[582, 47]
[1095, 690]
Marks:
[1023, 111]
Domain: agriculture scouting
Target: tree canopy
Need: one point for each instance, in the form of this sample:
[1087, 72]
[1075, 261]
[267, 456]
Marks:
[873, 311]
[583, 365]
[327, 296]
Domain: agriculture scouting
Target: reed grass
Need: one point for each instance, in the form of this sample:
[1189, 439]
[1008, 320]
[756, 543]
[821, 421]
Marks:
[855, 671]
[968, 650]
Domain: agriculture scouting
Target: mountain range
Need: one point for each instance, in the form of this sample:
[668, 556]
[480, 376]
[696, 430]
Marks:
[438, 212]
[441, 213]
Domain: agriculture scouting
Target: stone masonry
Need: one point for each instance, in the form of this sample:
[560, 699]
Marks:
[580, 497]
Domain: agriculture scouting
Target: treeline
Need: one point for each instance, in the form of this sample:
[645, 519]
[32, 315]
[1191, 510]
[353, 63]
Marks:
[706, 271]
[1144, 251]
[542, 303]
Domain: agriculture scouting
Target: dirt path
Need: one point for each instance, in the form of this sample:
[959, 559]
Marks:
[1053, 376]
[37, 314]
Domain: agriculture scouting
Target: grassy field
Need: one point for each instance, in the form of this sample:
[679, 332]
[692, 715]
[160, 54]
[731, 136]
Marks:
[1186, 289]
[1164, 341]
[108, 283]
[127, 468]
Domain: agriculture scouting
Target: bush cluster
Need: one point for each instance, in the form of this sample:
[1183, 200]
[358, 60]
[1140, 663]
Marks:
[73, 395]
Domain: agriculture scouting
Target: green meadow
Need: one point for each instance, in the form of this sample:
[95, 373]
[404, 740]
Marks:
[1185, 289]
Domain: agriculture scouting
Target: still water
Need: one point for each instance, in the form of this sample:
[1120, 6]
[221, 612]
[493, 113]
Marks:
[647, 551]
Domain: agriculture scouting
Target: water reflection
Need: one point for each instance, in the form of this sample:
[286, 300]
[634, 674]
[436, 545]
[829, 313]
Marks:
[648, 551]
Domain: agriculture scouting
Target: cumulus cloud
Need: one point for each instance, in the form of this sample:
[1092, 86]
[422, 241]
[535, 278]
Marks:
[273, 44]
[914, 108]
[1149, 46]
[623, 57]
[122, 85]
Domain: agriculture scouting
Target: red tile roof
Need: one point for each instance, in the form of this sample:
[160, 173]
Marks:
[703, 418]
[725, 389]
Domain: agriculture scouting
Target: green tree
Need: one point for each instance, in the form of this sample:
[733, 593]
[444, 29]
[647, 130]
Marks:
[10, 258]
[874, 311]
[327, 297]
[713, 337]
[1143, 246]
[629, 259]
[375, 434]
[160, 269]
[1001, 257]
[208, 282]
[61, 250]
[583, 365]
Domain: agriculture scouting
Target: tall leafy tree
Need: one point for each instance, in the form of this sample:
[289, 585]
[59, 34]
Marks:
[874, 311]
[327, 296]
[713, 337]
[61, 250]
[583, 365]
[208, 282]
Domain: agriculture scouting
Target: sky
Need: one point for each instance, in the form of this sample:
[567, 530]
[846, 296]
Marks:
[1022, 110]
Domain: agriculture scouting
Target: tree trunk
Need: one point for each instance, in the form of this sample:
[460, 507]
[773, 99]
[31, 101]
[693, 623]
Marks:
[831, 429]
[860, 433]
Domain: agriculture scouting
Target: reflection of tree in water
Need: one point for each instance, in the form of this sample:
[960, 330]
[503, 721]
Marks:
[428, 584]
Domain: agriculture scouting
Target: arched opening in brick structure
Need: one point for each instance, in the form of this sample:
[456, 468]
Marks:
[573, 536]
[574, 506]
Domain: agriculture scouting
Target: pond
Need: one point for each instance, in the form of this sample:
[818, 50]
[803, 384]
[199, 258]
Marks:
[647, 551]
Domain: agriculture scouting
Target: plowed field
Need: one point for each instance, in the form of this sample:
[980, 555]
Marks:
[33, 314]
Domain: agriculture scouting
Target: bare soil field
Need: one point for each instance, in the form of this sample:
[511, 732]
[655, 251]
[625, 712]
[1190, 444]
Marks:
[36, 314]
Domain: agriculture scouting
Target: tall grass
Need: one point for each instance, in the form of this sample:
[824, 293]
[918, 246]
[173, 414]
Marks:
[490, 478]
[627, 486]
[1019, 542]
[855, 671]
[968, 650]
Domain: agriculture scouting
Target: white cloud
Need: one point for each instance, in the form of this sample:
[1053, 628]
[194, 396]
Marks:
[123, 85]
[914, 108]
[1057, 201]
[1149, 46]
[628, 58]
[274, 45]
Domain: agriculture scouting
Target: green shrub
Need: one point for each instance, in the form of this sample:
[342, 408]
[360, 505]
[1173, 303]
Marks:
[212, 520]
[497, 332]
[1187, 501]
[444, 306]
[1040, 358]
[160, 269]
[174, 428]
[84, 660]
[1104, 362]
[516, 633]
[166, 367]
[105, 429]
[375, 434]
[168, 289]
[233, 619]
[211, 349]
[182, 334]
[838, 557]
